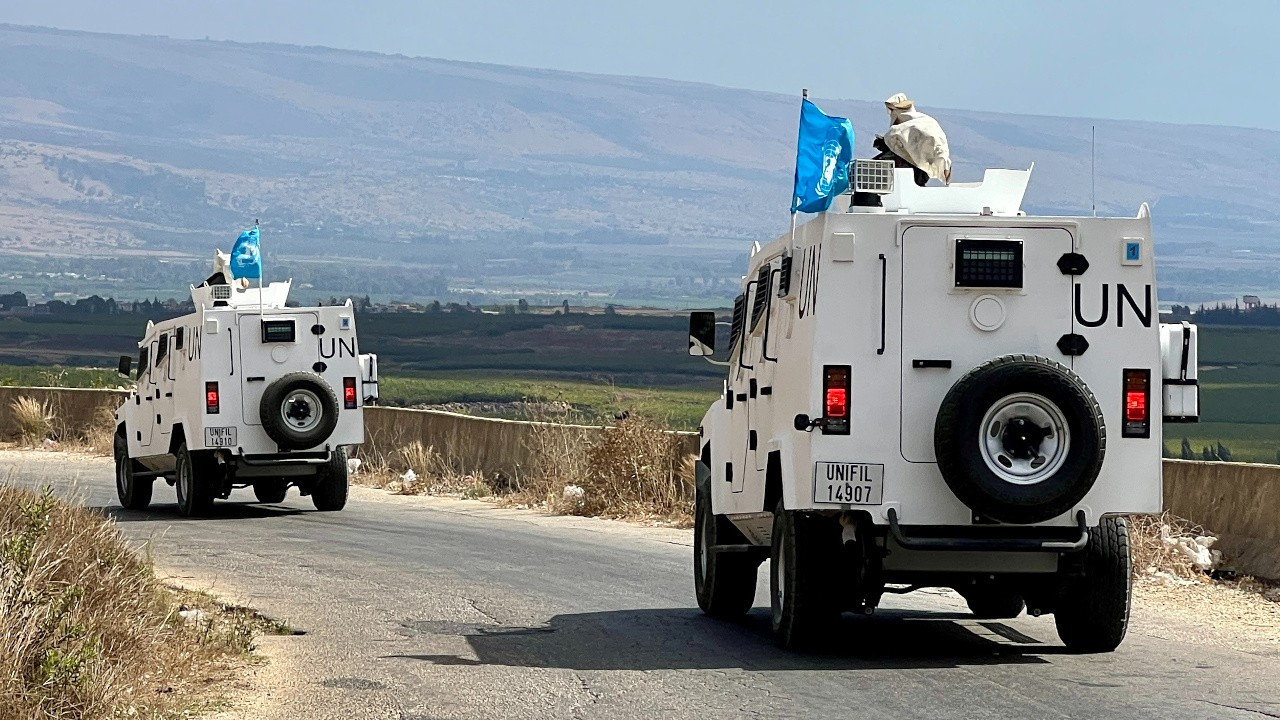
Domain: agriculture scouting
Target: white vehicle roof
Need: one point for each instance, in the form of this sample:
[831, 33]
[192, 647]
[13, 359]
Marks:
[998, 193]
[270, 297]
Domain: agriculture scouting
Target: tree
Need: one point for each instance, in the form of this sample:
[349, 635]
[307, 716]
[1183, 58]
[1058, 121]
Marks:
[610, 309]
[1223, 453]
[1188, 453]
[522, 306]
[13, 300]
[565, 307]
[1207, 455]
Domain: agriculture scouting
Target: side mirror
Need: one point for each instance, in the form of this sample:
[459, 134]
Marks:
[126, 364]
[702, 334]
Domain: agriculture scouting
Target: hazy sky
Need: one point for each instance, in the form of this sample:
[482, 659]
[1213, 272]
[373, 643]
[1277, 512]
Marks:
[1171, 60]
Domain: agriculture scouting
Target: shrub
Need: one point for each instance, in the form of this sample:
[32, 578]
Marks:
[633, 469]
[85, 629]
[33, 419]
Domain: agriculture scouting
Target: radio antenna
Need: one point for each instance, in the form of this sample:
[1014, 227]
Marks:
[1093, 168]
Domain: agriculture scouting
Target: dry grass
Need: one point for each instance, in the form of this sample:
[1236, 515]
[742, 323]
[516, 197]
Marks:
[49, 424]
[1151, 554]
[1156, 562]
[632, 470]
[32, 419]
[417, 469]
[99, 437]
[86, 631]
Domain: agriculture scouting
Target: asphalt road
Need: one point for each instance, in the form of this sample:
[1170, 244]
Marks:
[420, 608]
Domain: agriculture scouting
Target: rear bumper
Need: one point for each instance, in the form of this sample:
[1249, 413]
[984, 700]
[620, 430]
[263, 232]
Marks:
[291, 464]
[998, 538]
[276, 459]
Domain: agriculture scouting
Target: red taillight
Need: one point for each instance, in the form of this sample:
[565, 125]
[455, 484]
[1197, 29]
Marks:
[835, 399]
[349, 393]
[211, 399]
[1137, 403]
[1135, 406]
[837, 402]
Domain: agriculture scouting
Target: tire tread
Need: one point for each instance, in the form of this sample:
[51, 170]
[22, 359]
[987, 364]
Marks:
[1093, 612]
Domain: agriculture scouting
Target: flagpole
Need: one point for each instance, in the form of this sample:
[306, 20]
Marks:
[261, 265]
[804, 95]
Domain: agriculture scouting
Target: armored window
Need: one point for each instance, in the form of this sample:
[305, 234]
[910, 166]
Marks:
[988, 263]
[178, 338]
[739, 319]
[162, 352]
[761, 300]
[144, 357]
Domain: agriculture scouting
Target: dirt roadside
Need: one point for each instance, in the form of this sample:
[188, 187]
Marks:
[1199, 615]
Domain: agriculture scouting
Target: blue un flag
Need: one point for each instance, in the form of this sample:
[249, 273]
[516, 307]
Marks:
[246, 256]
[823, 153]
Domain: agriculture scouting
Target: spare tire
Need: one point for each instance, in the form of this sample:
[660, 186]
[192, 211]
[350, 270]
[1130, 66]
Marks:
[1020, 439]
[299, 411]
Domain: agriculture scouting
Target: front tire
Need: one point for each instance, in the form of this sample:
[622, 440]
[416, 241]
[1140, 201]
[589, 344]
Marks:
[1092, 614]
[725, 583]
[134, 492]
[803, 578]
[329, 494]
[194, 485]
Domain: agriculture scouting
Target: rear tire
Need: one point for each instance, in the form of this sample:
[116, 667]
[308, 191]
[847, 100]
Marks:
[1020, 439]
[329, 494]
[725, 583]
[803, 580]
[299, 411]
[134, 492]
[270, 491]
[194, 486]
[1092, 614]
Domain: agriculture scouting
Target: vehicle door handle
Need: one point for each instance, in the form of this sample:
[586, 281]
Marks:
[919, 364]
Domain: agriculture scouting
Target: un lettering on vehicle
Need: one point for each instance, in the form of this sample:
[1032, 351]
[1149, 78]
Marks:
[338, 347]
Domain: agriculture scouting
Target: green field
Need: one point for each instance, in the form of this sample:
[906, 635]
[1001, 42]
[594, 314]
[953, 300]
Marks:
[1239, 394]
[591, 402]
[603, 365]
[58, 376]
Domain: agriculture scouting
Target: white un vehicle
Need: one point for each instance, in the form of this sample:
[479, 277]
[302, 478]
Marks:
[244, 392]
[927, 387]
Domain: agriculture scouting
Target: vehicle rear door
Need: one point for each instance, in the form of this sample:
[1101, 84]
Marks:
[970, 294]
[270, 346]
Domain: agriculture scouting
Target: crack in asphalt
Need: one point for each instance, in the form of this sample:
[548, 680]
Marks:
[1264, 713]
[594, 696]
[480, 611]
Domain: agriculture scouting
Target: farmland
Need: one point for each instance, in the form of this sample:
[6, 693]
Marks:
[590, 365]
[1239, 394]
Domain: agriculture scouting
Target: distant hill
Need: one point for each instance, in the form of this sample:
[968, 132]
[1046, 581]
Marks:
[433, 176]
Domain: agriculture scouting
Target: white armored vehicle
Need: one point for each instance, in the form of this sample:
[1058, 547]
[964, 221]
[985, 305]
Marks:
[244, 392]
[927, 387]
